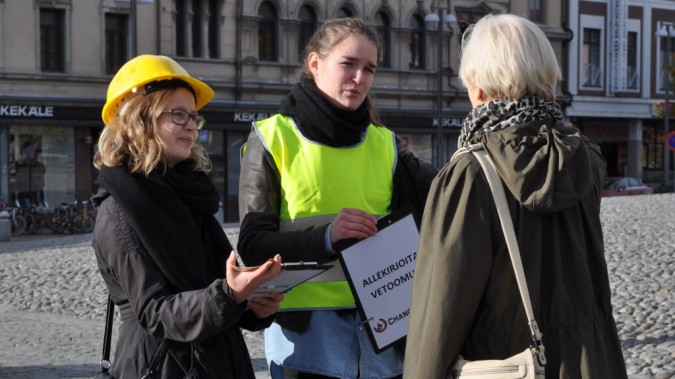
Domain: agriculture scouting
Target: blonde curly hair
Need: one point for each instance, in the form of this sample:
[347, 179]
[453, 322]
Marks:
[133, 136]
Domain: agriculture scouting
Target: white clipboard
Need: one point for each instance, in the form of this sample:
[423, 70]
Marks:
[292, 274]
[380, 272]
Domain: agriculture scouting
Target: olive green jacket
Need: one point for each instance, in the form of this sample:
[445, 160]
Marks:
[465, 297]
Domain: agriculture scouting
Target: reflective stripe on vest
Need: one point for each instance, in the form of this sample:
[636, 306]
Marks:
[317, 181]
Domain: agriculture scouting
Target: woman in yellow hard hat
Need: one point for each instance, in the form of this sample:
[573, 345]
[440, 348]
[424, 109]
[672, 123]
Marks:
[163, 255]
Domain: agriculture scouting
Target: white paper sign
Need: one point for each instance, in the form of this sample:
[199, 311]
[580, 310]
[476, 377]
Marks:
[380, 270]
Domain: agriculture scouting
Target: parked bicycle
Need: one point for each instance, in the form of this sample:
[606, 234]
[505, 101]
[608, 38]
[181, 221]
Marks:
[16, 218]
[78, 217]
[81, 217]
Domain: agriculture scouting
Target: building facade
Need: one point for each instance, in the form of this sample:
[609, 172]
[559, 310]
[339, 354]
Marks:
[617, 79]
[57, 57]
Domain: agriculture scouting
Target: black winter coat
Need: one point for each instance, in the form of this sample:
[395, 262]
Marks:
[201, 326]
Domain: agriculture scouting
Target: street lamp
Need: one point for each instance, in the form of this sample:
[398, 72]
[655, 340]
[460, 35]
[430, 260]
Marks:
[430, 19]
[667, 31]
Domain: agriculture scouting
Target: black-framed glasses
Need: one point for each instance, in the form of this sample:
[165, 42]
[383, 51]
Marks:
[181, 117]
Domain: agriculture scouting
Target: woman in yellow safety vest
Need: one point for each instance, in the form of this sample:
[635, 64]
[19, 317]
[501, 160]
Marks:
[320, 171]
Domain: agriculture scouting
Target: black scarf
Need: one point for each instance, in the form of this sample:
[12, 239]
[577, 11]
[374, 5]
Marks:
[500, 114]
[172, 214]
[319, 120]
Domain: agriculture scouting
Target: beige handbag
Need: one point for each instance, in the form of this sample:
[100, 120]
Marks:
[530, 363]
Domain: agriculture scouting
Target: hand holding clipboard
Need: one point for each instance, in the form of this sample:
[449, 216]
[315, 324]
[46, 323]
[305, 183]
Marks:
[291, 275]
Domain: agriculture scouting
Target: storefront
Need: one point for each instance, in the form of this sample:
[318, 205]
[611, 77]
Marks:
[420, 131]
[612, 136]
[631, 147]
[44, 147]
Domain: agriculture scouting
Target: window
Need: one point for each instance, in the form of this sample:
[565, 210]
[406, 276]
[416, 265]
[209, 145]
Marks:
[344, 12]
[666, 45]
[625, 58]
[116, 41]
[419, 144]
[536, 11]
[591, 75]
[181, 21]
[52, 40]
[197, 28]
[308, 25]
[197, 41]
[384, 30]
[267, 32]
[652, 147]
[212, 141]
[214, 29]
[632, 62]
[42, 160]
[416, 42]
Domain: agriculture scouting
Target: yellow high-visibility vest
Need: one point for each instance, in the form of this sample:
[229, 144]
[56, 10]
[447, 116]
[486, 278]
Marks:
[317, 181]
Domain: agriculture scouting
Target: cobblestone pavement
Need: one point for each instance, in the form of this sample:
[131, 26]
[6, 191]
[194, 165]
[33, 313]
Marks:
[52, 299]
[52, 309]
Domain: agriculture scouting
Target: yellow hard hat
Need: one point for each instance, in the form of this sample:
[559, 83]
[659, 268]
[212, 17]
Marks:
[148, 73]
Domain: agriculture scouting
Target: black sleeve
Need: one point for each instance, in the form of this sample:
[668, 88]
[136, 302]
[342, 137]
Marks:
[250, 322]
[412, 180]
[259, 202]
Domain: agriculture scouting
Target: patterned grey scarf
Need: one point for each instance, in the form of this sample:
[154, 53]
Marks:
[503, 113]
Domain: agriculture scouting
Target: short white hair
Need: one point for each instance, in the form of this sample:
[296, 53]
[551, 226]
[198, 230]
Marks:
[509, 56]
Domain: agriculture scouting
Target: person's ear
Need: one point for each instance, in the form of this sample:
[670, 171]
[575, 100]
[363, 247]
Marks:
[313, 63]
[481, 95]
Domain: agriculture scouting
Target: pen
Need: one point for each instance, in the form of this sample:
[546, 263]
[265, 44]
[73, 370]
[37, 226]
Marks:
[283, 265]
[251, 268]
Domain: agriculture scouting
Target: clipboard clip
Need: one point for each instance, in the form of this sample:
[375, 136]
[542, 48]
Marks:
[364, 322]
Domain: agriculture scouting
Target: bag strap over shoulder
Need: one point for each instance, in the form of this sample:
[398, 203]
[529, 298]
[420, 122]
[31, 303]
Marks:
[107, 336]
[107, 339]
[497, 189]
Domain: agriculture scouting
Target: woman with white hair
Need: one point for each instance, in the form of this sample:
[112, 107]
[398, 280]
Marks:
[465, 297]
